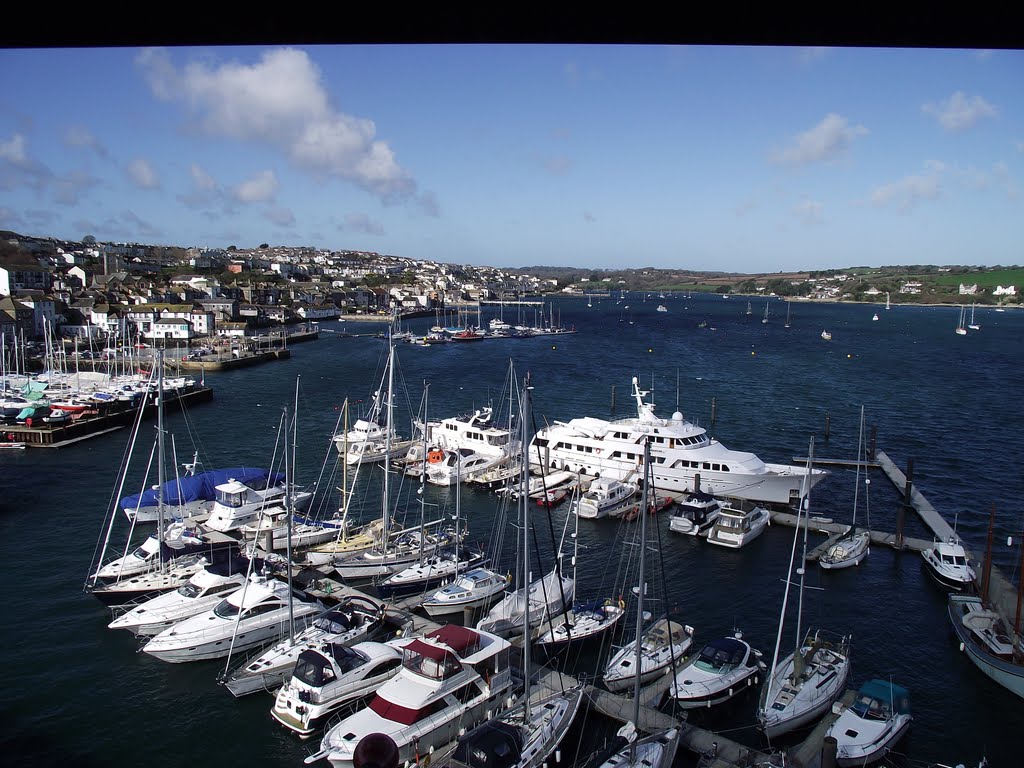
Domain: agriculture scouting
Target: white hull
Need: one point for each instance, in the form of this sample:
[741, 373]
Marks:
[681, 451]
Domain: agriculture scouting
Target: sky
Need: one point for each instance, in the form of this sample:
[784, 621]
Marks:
[739, 159]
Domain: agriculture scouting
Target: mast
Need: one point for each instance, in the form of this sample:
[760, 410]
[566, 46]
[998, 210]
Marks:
[524, 507]
[289, 510]
[423, 478]
[648, 476]
[804, 491]
[387, 434]
[160, 450]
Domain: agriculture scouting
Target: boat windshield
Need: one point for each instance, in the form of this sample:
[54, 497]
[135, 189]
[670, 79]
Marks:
[230, 499]
[189, 590]
[871, 708]
[719, 658]
[226, 609]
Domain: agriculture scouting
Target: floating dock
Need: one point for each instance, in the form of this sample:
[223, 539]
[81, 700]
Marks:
[113, 418]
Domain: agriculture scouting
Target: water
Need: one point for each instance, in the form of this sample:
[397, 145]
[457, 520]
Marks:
[77, 692]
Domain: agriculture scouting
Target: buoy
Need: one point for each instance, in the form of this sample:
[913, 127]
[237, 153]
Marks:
[553, 346]
[848, 357]
[650, 350]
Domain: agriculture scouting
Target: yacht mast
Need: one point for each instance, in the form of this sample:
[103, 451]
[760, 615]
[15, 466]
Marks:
[648, 478]
[160, 451]
[524, 507]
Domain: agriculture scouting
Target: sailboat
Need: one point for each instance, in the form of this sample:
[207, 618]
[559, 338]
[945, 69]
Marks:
[960, 330]
[852, 548]
[887, 306]
[658, 749]
[526, 735]
[165, 560]
[802, 686]
[973, 325]
[587, 620]
[750, 310]
[535, 601]
[788, 307]
[765, 318]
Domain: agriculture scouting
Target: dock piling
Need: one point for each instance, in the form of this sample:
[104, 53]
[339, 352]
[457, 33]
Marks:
[828, 424]
[713, 411]
[987, 575]
[829, 752]
[873, 442]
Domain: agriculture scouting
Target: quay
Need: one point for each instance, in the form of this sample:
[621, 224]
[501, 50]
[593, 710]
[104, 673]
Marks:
[116, 416]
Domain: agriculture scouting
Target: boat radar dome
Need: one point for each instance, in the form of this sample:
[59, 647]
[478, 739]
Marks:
[677, 416]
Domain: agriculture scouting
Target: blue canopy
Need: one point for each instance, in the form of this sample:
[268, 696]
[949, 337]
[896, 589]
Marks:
[201, 487]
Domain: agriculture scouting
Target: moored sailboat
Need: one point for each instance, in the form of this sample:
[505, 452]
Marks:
[802, 686]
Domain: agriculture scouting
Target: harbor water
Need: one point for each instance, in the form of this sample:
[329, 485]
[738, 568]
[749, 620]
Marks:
[78, 693]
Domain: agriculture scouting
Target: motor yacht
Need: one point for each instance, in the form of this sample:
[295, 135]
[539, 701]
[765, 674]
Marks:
[724, 668]
[202, 591]
[327, 676]
[695, 513]
[680, 450]
[239, 503]
[353, 620]
[604, 498]
[451, 679]
[947, 563]
[473, 589]
[738, 524]
[867, 730]
[256, 613]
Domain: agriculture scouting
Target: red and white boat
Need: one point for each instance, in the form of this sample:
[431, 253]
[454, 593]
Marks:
[451, 679]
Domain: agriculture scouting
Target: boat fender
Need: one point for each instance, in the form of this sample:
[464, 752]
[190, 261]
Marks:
[961, 647]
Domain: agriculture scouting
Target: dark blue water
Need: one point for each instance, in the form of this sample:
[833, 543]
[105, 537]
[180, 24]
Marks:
[78, 693]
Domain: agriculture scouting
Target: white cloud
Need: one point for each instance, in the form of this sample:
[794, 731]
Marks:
[139, 228]
[261, 188]
[79, 136]
[360, 222]
[142, 175]
[825, 141]
[907, 192]
[960, 111]
[281, 100]
[808, 211]
[13, 151]
[280, 215]
[205, 191]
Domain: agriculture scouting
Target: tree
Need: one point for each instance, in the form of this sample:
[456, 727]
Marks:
[232, 248]
[263, 246]
[88, 240]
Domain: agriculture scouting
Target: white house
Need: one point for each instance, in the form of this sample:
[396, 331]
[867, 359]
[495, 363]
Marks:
[1007, 291]
[968, 290]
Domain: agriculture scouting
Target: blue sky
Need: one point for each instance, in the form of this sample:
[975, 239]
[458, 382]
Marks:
[743, 159]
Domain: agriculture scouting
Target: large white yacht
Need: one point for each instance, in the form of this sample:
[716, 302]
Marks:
[679, 450]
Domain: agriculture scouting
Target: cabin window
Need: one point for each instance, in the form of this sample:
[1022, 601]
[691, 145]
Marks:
[540, 442]
[725, 467]
[716, 467]
[707, 465]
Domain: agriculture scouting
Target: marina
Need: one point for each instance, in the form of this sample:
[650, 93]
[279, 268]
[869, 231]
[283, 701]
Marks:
[742, 370]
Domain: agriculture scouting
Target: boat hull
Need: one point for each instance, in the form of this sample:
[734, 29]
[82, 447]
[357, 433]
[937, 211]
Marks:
[1003, 672]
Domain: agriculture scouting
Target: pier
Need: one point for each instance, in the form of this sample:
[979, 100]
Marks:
[115, 417]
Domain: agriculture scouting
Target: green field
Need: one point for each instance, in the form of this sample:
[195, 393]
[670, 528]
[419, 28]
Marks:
[1003, 277]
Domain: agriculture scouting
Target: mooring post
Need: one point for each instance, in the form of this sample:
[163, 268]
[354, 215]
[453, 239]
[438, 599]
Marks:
[696, 482]
[613, 398]
[829, 752]
[987, 575]
[712, 411]
[902, 511]
[872, 444]
[828, 424]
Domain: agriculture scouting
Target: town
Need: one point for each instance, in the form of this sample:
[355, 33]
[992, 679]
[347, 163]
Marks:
[98, 292]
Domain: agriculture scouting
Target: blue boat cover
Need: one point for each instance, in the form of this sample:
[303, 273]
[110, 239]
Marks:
[201, 487]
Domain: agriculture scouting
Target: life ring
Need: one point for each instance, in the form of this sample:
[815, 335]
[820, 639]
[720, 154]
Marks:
[435, 456]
